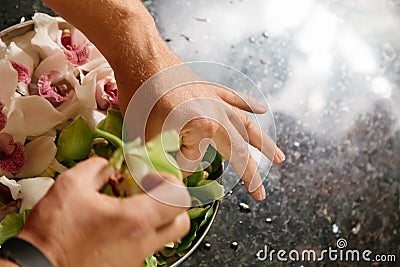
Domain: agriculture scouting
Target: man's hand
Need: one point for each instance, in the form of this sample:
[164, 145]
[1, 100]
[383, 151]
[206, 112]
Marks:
[75, 225]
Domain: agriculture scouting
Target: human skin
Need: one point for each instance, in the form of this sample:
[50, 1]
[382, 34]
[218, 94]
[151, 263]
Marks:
[127, 36]
[75, 225]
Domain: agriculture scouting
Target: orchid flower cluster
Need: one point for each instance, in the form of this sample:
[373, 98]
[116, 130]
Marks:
[48, 76]
[58, 106]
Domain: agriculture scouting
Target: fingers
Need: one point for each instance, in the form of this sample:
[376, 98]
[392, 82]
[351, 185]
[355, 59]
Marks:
[178, 228]
[160, 205]
[196, 137]
[240, 100]
[255, 136]
[92, 173]
[232, 146]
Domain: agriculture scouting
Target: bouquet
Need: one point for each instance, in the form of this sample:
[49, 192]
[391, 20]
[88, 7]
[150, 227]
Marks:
[58, 106]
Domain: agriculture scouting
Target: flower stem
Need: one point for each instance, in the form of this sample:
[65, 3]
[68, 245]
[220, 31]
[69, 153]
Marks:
[109, 137]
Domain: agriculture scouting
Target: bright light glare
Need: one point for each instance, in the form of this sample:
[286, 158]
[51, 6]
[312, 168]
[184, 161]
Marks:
[356, 52]
[382, 87]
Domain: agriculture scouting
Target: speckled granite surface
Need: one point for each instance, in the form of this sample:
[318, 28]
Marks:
[331, 70]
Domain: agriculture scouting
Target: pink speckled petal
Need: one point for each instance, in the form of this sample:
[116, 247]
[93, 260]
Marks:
[46, 90]
[12, 155]
[23, 72]
[3, 117]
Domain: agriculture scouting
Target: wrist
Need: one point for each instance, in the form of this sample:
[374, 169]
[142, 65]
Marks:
[52, 252]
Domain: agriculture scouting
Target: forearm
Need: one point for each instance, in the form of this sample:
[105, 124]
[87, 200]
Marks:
[126, 35]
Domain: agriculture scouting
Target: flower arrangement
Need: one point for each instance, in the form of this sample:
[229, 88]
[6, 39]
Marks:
[58, 106]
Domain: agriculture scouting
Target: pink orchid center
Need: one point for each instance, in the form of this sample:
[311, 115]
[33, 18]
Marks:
[23, 72]
[12, 154]
[54, 91]
[66, 39]
[111, 92]
[76, 54]
[3, 117]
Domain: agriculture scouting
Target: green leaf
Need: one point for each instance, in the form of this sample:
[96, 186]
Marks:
[188, 239]
[150, 261]
[207, 191]
[208, 216]
[195, 213]
[193, 179]
[10, 226]
[74, 142]
[113, 123]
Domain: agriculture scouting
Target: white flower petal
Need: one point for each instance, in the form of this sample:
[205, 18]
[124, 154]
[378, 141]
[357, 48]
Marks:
[86, 92]
[40, 154]
[33, 190]
[56, 62]
[8, 82]
[14, 53]
[3, 48]
[40, 116]
[16, 125]
[46, 28]
[70, 108]
[15, 188]
[96, 60]
[24, 42]
[138, 167]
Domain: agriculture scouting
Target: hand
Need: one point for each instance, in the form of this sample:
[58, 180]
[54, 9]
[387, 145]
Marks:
[75, 225]
[129, 39]
[205, 114]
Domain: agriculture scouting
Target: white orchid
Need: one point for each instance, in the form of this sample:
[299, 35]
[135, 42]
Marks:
[49, 76]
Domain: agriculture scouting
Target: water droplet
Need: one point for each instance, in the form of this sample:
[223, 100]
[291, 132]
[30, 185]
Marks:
[356, 229]
[296, 144]
[252, 39]
[241, 182]
[234, 245]
[266, 34]
[240, 222]
[22, 20]
[335, 228]
[268, 220]
[207, 246]
[243, 207]
[262, 61]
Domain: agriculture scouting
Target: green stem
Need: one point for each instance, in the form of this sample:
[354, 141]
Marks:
[109, 137]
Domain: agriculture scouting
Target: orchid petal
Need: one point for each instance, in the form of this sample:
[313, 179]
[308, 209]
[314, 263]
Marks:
[77, 50]
[54, 63]
[19, 56]
[3, 117]
[14, 187]
[8, 81]
[47, 91]
[46, 28]
[16, 125]
[87, 91]
[70, 108]
[13, 154]
[96, 61]
[138, 167]
[24, 42]
[40, 154]
[33, 190]
[40, 116]
[3, 49]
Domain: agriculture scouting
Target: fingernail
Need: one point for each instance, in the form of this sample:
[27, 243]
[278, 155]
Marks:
[260, 195]
[280, 155]
[151, 181]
